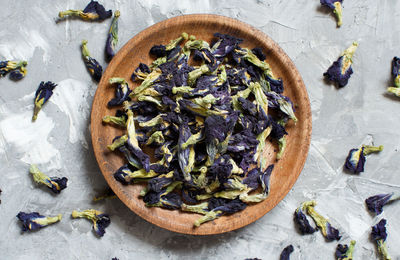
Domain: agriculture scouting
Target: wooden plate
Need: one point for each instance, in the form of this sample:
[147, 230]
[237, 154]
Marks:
[203, 27]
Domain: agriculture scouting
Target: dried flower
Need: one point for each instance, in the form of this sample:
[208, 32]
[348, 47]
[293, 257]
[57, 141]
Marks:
[258, 51]
[92, 12]
[356, 159]
[17, 68]
[42, 95]
[126, 175]
[302, 222]
[116, 120]
[100, 220]
[329, 232]
[341, 70]
[55, 184]
[219, 207]
[264, 182]
[375, 203]
[34, 221]
[396, 77]
[122, 92]
[379, 235]
[18, 74]
[112, 38]
[92, 65]
[336, 6]
[133, 145]
[345, 252]
[163, 198]
[285, 255]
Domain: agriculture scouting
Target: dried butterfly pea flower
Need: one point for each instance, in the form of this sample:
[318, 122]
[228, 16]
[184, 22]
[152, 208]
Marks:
[258, 51]
[125, 175]
[91, 64]
[172, 55]
[201, 208]
[396, 71]
[345, 252]
[225, 45]
[112, 37]
[375, 203]
[202, 52]
[42, 95]
[329, 232]
[261, 98]
[356, 158]
[17, 69]
[341, 70]
[195, 74]
[283, 103]
[174, 43]
[252, 179]
[55, 184]
[261, 138]
[158, 183]
[285, 255]
[122, 92]
[264, 182]
[147, 82]
[278, 132]
[132, 142]
[396, 77]
[253, 59]
[379, 235]
[186, 155]
[165, 153]
[156, 138]
[150, 99]
[141, 72]
[219, 207]
[273, 84]
[117, 142]
[336, 7]
[18, 74]
[34, 221]
[235, 187]
[158, 51]
[117, 120]
[163, 198]
[99, 219]
[217, 131]
[167, 52]
[300, 218]
[92, 12]
[122, 174]
[221, 169]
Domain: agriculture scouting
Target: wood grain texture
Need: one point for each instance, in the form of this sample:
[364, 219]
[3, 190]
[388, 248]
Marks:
[203, 27]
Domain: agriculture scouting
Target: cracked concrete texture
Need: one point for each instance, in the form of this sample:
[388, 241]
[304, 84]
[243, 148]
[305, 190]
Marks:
[342, 119]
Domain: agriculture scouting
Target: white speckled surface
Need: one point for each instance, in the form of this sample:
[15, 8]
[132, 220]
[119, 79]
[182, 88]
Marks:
[59, 142]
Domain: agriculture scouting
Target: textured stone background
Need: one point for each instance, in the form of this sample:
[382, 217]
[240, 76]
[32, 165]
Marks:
[59, 142]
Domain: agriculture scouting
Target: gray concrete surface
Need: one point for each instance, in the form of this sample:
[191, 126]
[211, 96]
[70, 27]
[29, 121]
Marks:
[59, 142]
